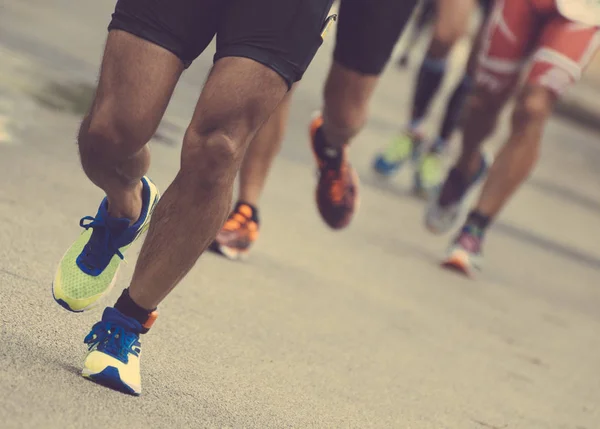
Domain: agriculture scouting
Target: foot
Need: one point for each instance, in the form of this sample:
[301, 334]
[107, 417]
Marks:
[403, 148]
[428, 175]
[88, 270]
[337, 190]
[464, 254]
[238, 234]
[448, 204]
[113, 359]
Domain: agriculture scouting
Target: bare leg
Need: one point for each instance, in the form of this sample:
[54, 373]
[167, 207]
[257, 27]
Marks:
[455, 107]
[347, 95]
[520, 153]
[136, 84]
[451, 24]
[262, 152]
[426, 14]
[193, 208]
[483, 110]
[481, 116]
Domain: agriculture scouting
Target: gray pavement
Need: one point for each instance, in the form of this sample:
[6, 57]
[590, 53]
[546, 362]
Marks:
[318, 329]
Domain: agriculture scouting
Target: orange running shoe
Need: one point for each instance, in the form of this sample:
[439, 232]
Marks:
[337, 190]
[238, 233]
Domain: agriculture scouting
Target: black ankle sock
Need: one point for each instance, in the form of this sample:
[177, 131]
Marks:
[254, 209]
[324, 149]
[478, 220]
[130, 309]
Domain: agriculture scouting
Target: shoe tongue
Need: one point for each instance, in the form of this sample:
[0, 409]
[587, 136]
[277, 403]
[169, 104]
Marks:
[116, 224]
[113, 315]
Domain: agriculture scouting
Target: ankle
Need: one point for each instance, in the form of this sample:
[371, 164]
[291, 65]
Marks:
[335, 137]
[128, 307]
[127, 203]
[327, 150]
[477, 223]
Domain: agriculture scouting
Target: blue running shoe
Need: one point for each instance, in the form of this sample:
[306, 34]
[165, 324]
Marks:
[88, 270]
[114, 350]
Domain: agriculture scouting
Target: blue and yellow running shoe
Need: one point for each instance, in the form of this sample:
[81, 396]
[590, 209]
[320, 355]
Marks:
[402, 148]
[88, 270]
[113, 359]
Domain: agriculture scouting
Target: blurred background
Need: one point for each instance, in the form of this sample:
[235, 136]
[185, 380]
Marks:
[318, 328]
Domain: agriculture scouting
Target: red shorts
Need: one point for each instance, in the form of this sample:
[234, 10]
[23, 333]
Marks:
[521, 30]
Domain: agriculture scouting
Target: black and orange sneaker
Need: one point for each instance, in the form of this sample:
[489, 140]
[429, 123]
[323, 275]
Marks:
[238, 233]
[337, 190]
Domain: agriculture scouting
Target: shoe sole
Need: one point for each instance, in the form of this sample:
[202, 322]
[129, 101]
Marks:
[458, 262]
[230, 253]
[110, 377]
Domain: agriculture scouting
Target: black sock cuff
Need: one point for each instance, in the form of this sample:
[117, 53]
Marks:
[129, 308]
[478, 220]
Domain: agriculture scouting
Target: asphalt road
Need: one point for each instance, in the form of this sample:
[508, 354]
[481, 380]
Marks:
[318, 329]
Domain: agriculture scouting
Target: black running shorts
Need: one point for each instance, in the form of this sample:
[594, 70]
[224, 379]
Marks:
[368, 31]
[281, 34]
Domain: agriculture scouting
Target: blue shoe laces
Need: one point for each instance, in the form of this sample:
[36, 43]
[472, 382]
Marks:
[114, 340]
[101, 247]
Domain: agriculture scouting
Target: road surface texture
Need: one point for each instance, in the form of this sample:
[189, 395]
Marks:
[319, 329]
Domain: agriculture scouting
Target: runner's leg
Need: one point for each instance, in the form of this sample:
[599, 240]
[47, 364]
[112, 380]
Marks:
[140, 68]
[564, 51]
[512, 26]
[457, 100]
[261, 153]
[241, 229]
[367, 34]
[510, 37]
[136, 82]
[452, 21]
[247, 83]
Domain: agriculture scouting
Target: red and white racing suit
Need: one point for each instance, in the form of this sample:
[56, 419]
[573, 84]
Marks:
[558, 48]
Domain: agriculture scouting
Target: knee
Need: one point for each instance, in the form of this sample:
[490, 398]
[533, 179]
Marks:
[104, 134]
[209, 157]
[533, 106]
[483, 102]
